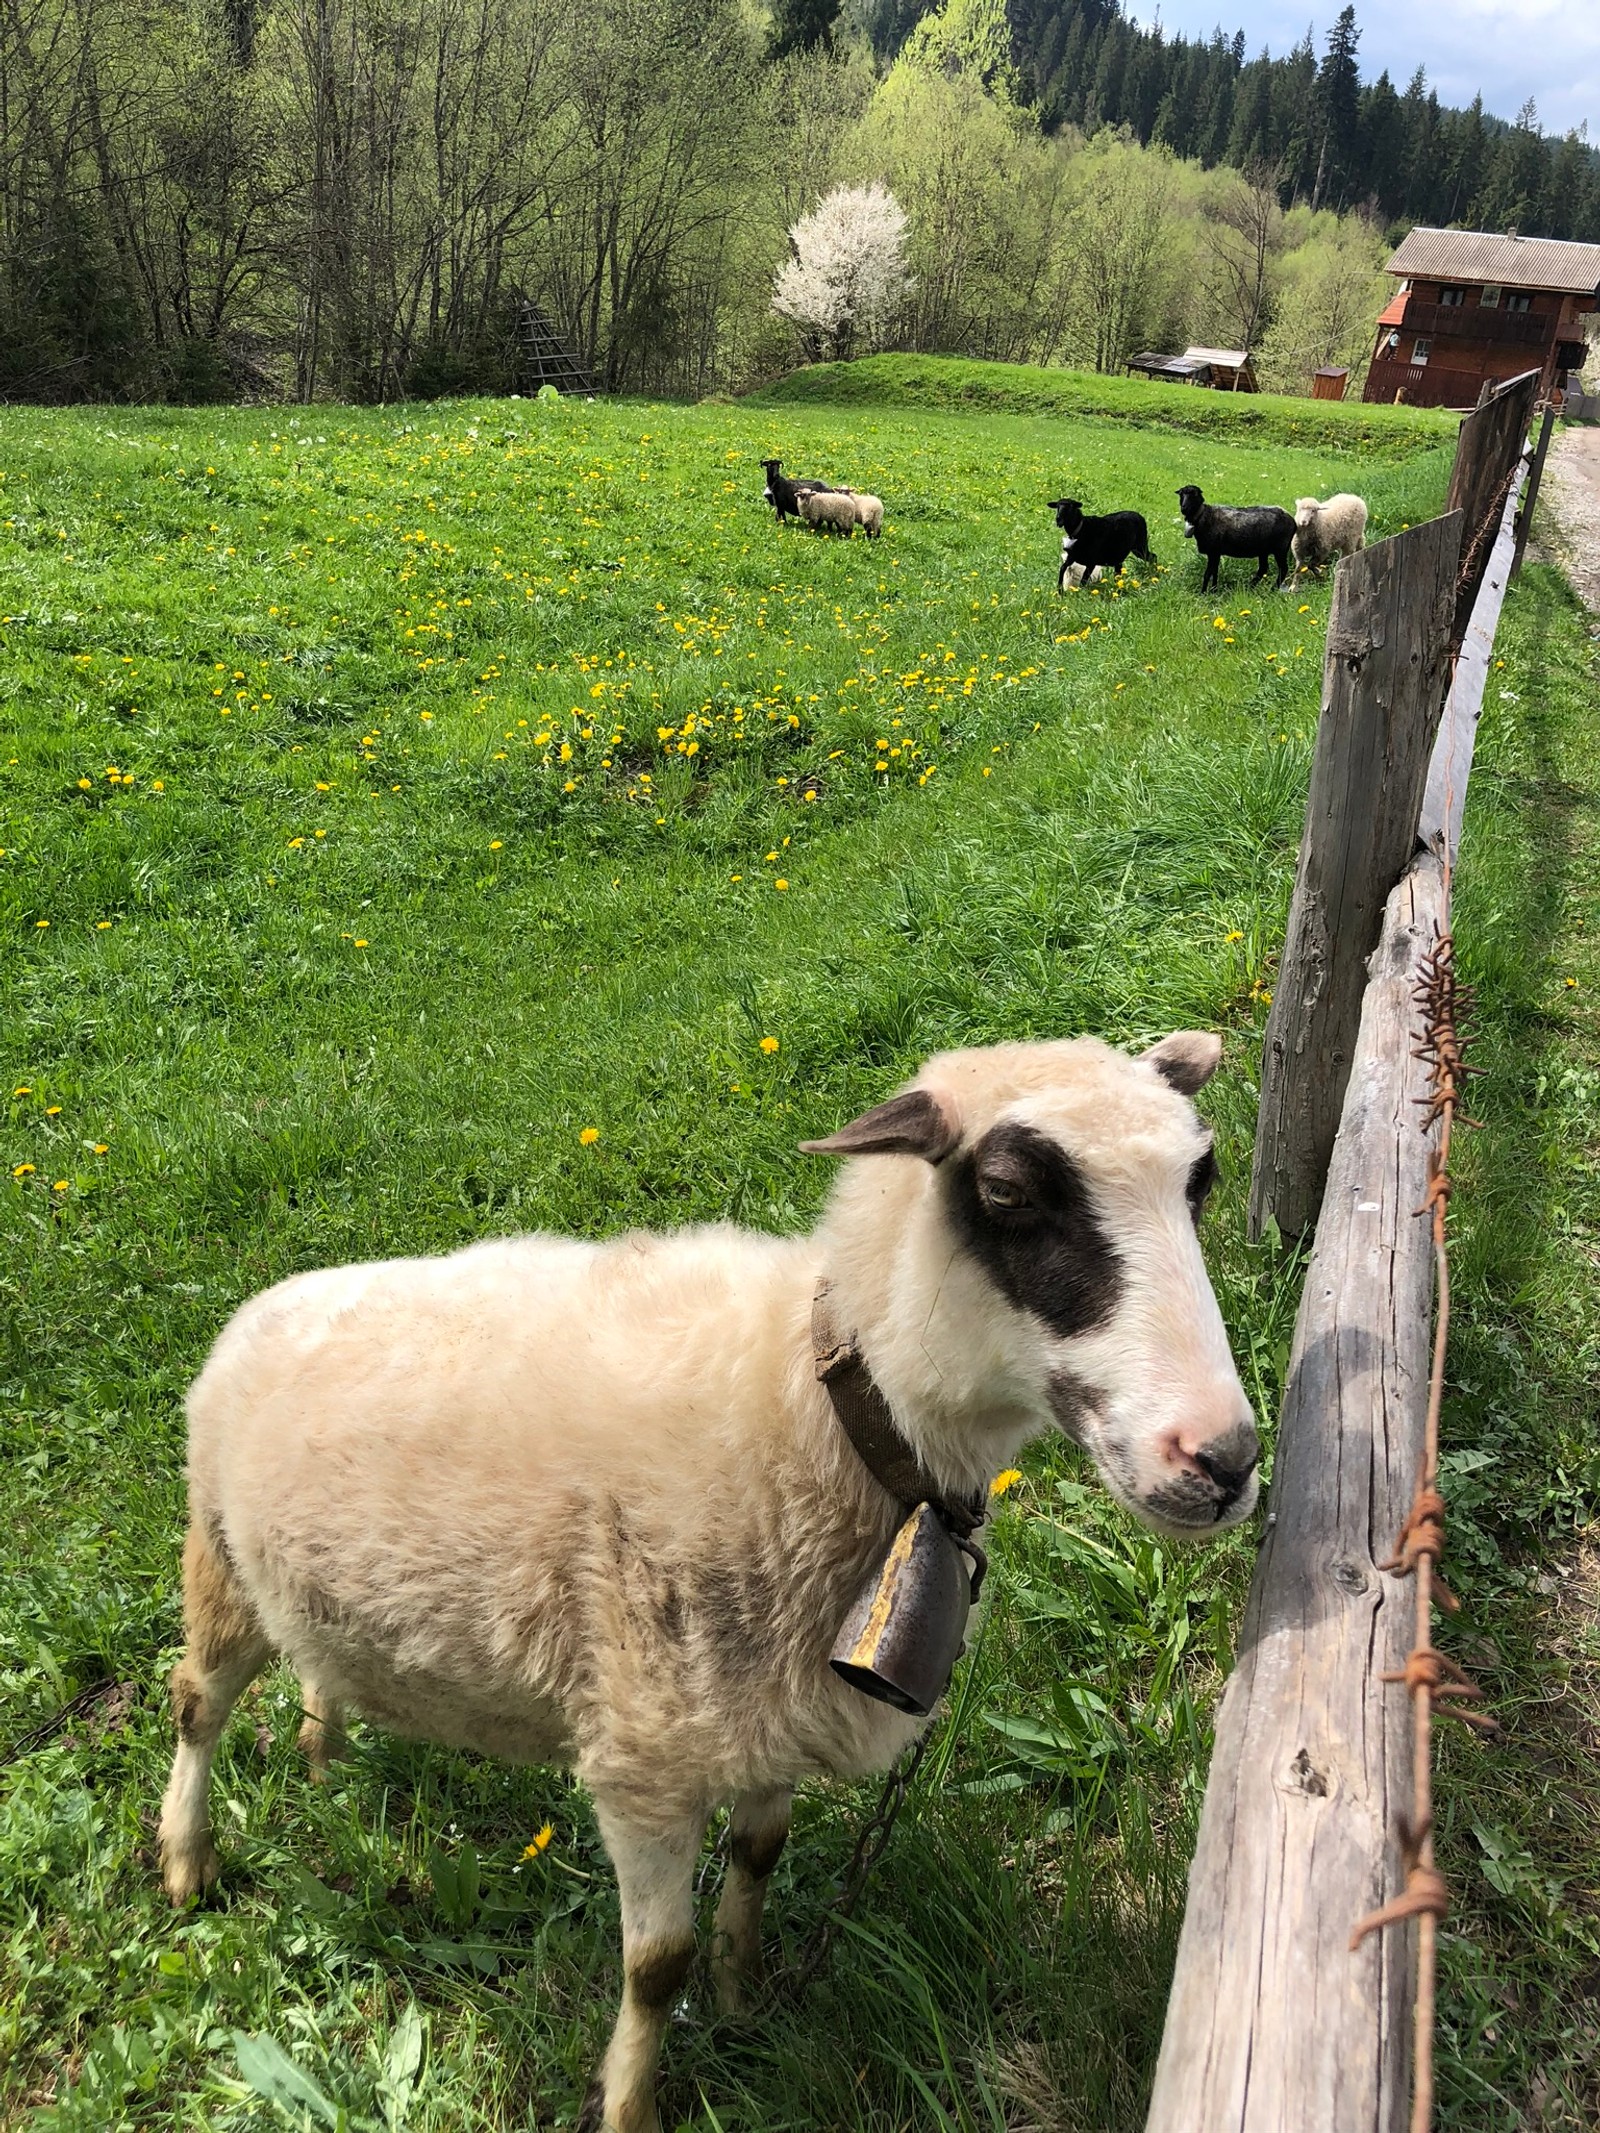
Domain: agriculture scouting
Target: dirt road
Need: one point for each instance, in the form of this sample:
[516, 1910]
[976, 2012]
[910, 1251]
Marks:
[1568, 527]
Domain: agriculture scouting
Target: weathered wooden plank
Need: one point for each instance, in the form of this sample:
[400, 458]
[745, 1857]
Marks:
[1383, 686]
[1444, 797]
[1273, 2025]
[1488, 446]
[1547, 423]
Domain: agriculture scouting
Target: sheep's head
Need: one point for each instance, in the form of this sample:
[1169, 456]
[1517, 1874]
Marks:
[1039, 1262]
[1305, 511]
[1069, 513]
[1190, 501]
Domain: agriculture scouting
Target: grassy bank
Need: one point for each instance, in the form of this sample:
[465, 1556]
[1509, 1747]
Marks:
[389, 798]
[953, 385]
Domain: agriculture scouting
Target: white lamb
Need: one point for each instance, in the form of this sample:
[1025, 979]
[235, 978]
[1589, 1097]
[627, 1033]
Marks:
[869, 512]
[590, 1504]
[829, 510]
[1327, 530]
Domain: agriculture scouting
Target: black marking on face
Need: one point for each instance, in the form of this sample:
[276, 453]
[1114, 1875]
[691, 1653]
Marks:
[1073, 1402]
[1203, 1174]
[1022, 1207]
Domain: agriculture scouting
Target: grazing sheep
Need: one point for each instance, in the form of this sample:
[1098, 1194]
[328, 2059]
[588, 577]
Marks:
[829, 511]
[869, 512]
[1091, 545]
[1259, 530]
[783, 494]
[1327, 530]
[595, 1504]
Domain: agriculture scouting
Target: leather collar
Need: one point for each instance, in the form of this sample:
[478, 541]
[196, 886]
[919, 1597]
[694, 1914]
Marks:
[866, 1419]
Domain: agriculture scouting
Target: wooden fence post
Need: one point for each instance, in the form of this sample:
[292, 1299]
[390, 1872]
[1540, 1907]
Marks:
[1535, 476]
[1444, 796]
[1383, 686]
[1274, 2026]
[1488, 447]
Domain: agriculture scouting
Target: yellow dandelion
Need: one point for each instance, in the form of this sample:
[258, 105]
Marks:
[102, 1147]
[1233, 936]
[60, 1185]
[361, 944]
[22, 1170]
[780, 885]
[496, 845]
[23, 1089]
[54, 1110]
[588, 1137]
[1007, 1480]
[41, 923]
[539, 1844]
[770, 1044]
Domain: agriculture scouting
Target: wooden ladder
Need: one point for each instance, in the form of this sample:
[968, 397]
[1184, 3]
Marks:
[544, 357]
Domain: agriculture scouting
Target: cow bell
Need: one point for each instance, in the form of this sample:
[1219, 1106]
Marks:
[901, 1640]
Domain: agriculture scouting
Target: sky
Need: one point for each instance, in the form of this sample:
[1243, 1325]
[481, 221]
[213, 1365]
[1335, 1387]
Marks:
[1508, 49]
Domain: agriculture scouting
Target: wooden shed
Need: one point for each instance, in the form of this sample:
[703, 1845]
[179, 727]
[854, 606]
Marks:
[1228, 370]
[1329, 382]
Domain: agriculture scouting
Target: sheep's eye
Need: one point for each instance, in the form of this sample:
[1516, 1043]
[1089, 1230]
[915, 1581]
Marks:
[1001, 1192]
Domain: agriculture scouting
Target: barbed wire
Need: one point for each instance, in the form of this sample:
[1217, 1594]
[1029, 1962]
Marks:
[1438, 1688]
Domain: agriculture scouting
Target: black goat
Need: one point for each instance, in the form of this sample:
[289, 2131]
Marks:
[1259, 530]
[783, 494]
[1098, 543]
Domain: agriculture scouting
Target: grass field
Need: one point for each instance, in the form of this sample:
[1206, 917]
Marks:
[418, 824]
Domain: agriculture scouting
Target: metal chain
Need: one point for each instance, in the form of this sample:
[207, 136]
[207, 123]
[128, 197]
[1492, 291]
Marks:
[871, 1843]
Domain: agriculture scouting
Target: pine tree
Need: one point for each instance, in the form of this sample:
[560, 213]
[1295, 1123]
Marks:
[1338, 111]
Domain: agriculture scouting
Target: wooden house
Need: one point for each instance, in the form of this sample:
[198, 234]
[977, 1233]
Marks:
[1228, 370]
[1473, 309]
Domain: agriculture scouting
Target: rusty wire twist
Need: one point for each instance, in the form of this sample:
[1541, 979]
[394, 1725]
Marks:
[1436, 1685]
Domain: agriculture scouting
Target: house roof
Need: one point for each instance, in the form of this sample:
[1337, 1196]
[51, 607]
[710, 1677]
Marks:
[1184, 365]
[1229, 358]
[1513, 262]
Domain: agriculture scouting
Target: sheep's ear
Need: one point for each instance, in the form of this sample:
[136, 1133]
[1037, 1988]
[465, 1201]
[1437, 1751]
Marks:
[1187, 1059]
[918, 1122]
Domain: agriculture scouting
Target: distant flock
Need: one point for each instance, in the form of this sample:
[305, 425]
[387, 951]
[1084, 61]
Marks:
[1314, 535]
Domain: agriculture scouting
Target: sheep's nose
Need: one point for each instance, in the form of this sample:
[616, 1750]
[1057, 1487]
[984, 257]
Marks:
[1225, 1458]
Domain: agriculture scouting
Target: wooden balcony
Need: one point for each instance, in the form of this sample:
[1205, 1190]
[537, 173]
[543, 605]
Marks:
[1473, 321]
[1424, 384]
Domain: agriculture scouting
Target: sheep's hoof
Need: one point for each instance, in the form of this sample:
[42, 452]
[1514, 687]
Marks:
[188, 1874]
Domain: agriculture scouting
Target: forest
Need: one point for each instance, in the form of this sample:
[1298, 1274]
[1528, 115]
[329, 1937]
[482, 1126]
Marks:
[352, 199]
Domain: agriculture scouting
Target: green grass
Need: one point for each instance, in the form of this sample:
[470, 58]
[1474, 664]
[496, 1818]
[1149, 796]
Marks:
[1355, 431]
[241, 1048]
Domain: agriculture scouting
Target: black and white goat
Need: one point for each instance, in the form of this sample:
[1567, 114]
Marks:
[1258, 530]
[1095, 544]
[784, 495]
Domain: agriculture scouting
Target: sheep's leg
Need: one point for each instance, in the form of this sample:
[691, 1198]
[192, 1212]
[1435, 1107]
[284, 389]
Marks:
[226, 1648]
[655, 1877]
[758, 1832]
[322, 1731]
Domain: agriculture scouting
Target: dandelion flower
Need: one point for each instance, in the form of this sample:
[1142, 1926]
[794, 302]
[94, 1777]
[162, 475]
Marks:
[780, 885]
[24, 1089]
[41, 923]
[1004, 1481]
[1233, 936]
[22, 1170]
[539, 1844]
[102, 1147]
[588, 1137]
[361, 944]
[52, 1110]
[60, 1185]
[496, 845]
[770, 1044]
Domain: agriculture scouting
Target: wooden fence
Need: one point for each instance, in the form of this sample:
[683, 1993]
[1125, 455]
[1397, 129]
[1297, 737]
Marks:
[1273, 2025]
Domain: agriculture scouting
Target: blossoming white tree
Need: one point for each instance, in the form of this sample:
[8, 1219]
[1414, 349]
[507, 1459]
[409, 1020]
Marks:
[847, 276]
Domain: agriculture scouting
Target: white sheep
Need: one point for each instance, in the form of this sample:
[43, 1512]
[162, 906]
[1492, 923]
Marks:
[590, 1504]
[869, 512]
[1327, 530]
[829, 509]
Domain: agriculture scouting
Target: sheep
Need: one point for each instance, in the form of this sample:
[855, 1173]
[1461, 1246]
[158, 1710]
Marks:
[829, 510]
[593, 1504]
[1091, 545]
[1327, 530]
[1259, 530]
[869, 512]
[783, 494]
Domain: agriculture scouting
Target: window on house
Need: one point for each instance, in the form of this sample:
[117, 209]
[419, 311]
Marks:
[1452, 297]
[1519, 300]
[1490, 298]
[1420, 351]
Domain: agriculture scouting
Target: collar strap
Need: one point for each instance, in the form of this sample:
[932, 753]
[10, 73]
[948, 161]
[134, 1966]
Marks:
[865, 1417]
